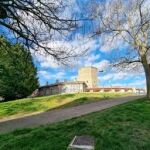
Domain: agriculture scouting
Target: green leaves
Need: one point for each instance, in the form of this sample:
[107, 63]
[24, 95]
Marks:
[17, 72]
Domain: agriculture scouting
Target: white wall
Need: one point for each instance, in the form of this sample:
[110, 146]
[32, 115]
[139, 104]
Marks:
[72, 88]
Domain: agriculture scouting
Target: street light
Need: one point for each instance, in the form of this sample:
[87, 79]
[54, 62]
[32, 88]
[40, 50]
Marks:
[100, 72]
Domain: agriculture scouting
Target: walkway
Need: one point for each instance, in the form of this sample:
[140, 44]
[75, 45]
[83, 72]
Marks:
[62, 114]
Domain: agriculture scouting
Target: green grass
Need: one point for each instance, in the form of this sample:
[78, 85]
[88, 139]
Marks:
[124, 127]
[26, 106]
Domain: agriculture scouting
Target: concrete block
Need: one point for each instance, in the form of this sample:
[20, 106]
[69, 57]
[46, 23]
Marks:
[83, 142]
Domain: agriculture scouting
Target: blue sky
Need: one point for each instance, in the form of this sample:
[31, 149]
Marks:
[100, 54]
[49, 71]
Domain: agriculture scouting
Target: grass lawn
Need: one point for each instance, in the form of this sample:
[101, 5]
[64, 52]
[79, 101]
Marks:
[27, 106]
[124, 127]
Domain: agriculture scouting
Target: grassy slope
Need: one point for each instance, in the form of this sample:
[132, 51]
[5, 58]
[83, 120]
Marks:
[124, 127]
[40, 104]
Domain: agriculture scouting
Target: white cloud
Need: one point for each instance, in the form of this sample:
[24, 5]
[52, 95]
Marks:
[92, 58]
[106, 77]
[138, 83]
[48, 64]
[108, 42]
[102, 65]
[59, 75]
[47, 75]
[115, 76]
[133, 68]
[45, 61]
[129, 78]
[64, 49]
[88, 60]
[133, 84]
[71, 9]
[44, 74]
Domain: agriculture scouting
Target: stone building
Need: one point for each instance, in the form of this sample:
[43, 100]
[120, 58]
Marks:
[89, 75]
[61, 87]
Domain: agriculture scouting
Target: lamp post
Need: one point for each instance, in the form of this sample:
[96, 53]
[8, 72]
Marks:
[101, 71]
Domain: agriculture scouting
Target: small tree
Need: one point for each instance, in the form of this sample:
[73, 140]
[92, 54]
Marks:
[128, 22]
[17, 72]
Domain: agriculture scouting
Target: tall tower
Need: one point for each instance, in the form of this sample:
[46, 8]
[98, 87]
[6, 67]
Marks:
[89, 76]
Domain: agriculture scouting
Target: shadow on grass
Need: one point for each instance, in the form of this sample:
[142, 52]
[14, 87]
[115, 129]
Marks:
[63, 96]
[124, 127]
[81, 101]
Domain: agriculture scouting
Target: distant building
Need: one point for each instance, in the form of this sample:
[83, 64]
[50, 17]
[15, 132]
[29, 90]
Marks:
[89, 75]
[117, 89]
[87, 81]
[61, 87]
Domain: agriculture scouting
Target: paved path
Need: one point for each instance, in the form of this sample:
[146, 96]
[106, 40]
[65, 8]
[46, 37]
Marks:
[62, 114]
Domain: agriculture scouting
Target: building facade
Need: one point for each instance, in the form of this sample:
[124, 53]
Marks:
[89, 75]
[117, 89]
[61, 87]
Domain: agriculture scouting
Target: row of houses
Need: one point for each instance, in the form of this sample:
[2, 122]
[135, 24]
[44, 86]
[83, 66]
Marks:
[117, 89]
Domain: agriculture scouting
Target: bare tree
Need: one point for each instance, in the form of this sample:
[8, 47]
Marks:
[36, 22]
[127, 21]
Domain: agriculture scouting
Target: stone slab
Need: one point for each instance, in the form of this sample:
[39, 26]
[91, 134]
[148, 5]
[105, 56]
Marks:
[84, 142]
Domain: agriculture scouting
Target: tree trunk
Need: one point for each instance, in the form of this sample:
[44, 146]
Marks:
[147, 75]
